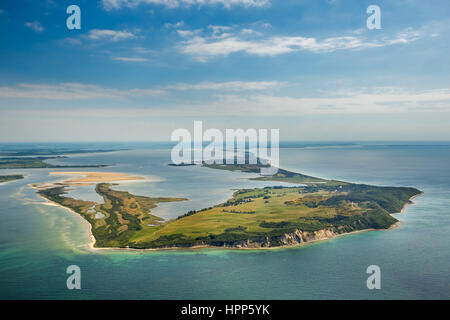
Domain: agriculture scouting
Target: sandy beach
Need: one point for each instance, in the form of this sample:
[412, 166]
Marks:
[411, 202]
[91, 244]
[89, 178]
[81, 178]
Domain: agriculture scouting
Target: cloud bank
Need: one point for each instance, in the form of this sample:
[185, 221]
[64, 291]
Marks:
[118, 4]
[77, 91]
[223, 42]
[241, 98]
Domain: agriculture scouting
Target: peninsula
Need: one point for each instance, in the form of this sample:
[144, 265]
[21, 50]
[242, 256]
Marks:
[252, 218]
[35, 158]
[38, 162]
[10, 178]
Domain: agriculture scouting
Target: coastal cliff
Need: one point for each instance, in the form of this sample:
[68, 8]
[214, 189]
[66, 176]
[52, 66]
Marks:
[288, 239]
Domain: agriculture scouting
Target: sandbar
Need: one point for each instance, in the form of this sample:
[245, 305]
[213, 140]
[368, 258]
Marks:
[90, 178]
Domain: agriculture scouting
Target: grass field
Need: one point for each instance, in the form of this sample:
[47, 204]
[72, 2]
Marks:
[273, 212]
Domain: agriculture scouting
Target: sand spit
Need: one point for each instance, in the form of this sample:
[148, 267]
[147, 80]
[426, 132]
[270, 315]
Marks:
[89, 178]
[81, 178]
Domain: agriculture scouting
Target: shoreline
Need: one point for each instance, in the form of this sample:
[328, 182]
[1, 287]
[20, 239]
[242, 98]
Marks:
[88, 178]
[405, 206]
[91, 244]
[50, 203]
[411, 202]
[198, 247]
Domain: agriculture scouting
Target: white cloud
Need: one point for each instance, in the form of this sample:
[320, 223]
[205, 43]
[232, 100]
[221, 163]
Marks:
[217, 30]
[238, 97]
[81, 91]
[145, 92]
[111, 35]
[35, 26]
[376, 100]
[370, 101]
[68, 91]
[250, 32]
[203, 48]
[72, 41]
[130, 59]
[174, 25]
[101, 36]
[188, 33]
[228, 86]
[117, 4]
[247, 98]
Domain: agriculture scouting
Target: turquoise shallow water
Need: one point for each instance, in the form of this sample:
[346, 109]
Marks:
[38, 242]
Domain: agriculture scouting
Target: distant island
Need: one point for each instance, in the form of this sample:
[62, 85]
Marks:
[27, 158]
[253, 218]
[38, 162]
[21, 152]
[183, 164]
[10, 178]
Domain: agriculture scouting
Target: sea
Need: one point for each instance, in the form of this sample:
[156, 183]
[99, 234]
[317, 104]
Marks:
[39, 242]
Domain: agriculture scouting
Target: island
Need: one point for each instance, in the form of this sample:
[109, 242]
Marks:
[35, 158]
[38, 162]
[313, 209]
[183, 164]
[11, 177]
[51, 151]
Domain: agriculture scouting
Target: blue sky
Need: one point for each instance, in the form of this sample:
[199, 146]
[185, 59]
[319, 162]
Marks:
[138, 69]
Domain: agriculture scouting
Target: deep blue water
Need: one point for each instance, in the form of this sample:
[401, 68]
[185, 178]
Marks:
[38, 242]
